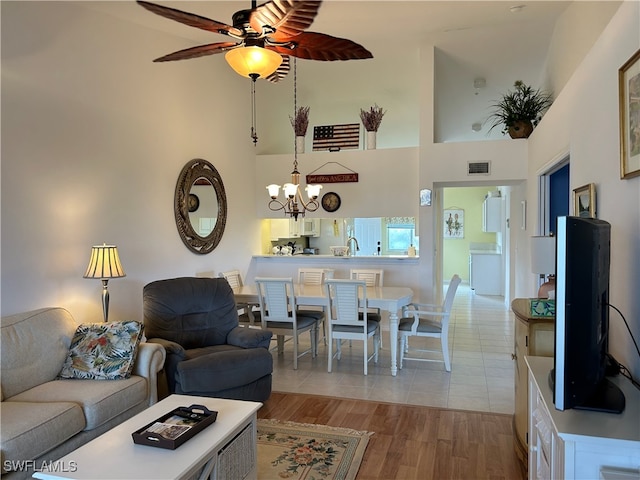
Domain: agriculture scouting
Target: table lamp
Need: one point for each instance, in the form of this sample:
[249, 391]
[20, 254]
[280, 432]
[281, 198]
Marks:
[543, 262]
[104, 264]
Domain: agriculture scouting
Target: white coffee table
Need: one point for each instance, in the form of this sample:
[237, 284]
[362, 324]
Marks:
[223, 450]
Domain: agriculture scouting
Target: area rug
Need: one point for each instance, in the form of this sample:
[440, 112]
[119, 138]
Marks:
[308, 452]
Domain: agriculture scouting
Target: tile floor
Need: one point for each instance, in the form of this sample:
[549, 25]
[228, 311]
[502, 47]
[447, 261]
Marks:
[481, 377]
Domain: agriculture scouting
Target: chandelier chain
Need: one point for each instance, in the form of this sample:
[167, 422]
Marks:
[294, 205]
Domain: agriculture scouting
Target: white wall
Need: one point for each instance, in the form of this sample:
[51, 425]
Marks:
[94, 136]
[584, 122]
[386, 187]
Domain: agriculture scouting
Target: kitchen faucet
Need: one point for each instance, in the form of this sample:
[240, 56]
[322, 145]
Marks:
[353, 252]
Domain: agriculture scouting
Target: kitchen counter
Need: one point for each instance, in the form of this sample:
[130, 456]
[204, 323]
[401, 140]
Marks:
[399, 271]
[335, 258]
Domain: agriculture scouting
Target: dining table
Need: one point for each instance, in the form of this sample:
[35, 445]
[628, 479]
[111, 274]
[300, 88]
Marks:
[389, 299]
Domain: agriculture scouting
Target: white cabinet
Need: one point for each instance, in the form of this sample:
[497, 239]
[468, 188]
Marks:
[492, 214]
[295, 226]
[485, 276]
[579, 444]
[290, 228]
[279, 229]
[310, 227]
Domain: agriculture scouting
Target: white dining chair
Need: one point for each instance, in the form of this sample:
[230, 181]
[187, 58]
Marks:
[427, 320]
[374, 277]
[315, 276]
[348, 318]
[280, 314]
[247, 312]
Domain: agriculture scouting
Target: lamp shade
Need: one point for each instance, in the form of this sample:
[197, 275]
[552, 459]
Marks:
[251, 61]
[104, 263]
[543, 255]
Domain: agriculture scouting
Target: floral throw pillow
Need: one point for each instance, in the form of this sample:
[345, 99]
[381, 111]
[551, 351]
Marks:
[103, 351]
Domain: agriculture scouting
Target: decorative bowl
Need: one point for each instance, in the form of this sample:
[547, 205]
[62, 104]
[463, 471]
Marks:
[339, 251]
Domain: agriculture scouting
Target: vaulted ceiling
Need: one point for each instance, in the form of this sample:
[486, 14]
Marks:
[495, 41]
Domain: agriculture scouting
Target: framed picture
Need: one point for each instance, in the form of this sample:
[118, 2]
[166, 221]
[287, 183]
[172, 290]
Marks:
[425, 197]
[629, 91]
[454, 223]
[585, 201]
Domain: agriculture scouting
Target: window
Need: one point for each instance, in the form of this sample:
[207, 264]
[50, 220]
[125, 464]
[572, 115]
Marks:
[400, 234]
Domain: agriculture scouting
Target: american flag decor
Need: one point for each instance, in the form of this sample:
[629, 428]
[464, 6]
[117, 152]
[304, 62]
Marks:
[336, 137]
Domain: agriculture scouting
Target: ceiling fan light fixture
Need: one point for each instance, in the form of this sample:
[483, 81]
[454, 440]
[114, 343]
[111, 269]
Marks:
[253, 61]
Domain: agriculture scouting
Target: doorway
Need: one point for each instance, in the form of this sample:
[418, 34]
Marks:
[453, 254]
[554, 195]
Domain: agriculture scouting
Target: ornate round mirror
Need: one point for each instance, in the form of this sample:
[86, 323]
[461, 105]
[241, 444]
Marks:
[200, 206]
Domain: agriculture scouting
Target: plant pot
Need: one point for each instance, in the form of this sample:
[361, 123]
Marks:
[371, 140]
[521, 129]
[300, 144]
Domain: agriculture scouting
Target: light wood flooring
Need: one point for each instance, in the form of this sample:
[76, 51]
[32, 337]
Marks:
[411, 442]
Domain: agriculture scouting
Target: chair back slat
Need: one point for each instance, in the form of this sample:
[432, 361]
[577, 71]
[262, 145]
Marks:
[372, 276]
[313, 276]
[346, 300]
[277, 301]
[233, 277]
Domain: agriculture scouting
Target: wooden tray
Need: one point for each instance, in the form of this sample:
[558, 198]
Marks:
[176, 427]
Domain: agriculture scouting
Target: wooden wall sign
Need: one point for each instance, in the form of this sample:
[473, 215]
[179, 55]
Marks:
[332, 178]
[346, 177]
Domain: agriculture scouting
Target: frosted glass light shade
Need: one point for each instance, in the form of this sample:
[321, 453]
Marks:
[274, 190]
[290, 190]
[313, 190]
[251, 61]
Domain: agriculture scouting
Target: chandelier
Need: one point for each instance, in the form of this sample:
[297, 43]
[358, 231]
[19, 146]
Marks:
[294, 204]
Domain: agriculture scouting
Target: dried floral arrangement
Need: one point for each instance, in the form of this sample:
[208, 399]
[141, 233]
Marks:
[372, 118]
[300, 121]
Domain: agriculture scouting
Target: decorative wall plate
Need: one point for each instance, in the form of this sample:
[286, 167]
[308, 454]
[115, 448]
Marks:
[194, 202]
[331, 201]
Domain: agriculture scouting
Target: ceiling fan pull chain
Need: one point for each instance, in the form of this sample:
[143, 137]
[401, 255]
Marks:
[254, 135]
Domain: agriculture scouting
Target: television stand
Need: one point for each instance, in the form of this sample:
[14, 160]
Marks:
[579, 444]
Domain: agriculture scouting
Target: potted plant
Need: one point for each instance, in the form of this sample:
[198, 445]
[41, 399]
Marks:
[300, 123]
[519, 111]
[371, 119]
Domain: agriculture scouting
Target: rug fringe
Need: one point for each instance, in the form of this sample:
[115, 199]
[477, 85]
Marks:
[286, 423]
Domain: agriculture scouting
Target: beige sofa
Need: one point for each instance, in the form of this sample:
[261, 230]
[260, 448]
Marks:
[43, 418]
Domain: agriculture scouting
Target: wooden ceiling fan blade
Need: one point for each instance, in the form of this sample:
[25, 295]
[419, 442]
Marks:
[319, 46]
[199, 51]
[282, 71]
[192, 20]
[287, 17]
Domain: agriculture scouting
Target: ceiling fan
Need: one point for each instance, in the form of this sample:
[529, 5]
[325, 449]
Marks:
[266, 36]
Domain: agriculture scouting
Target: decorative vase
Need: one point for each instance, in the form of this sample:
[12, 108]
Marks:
[300, 144]
[371, 140]
[521, 129]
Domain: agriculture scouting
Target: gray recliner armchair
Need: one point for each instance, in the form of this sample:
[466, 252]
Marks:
[208, 353]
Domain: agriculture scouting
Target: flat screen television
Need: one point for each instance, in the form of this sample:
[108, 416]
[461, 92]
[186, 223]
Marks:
[582, 317]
